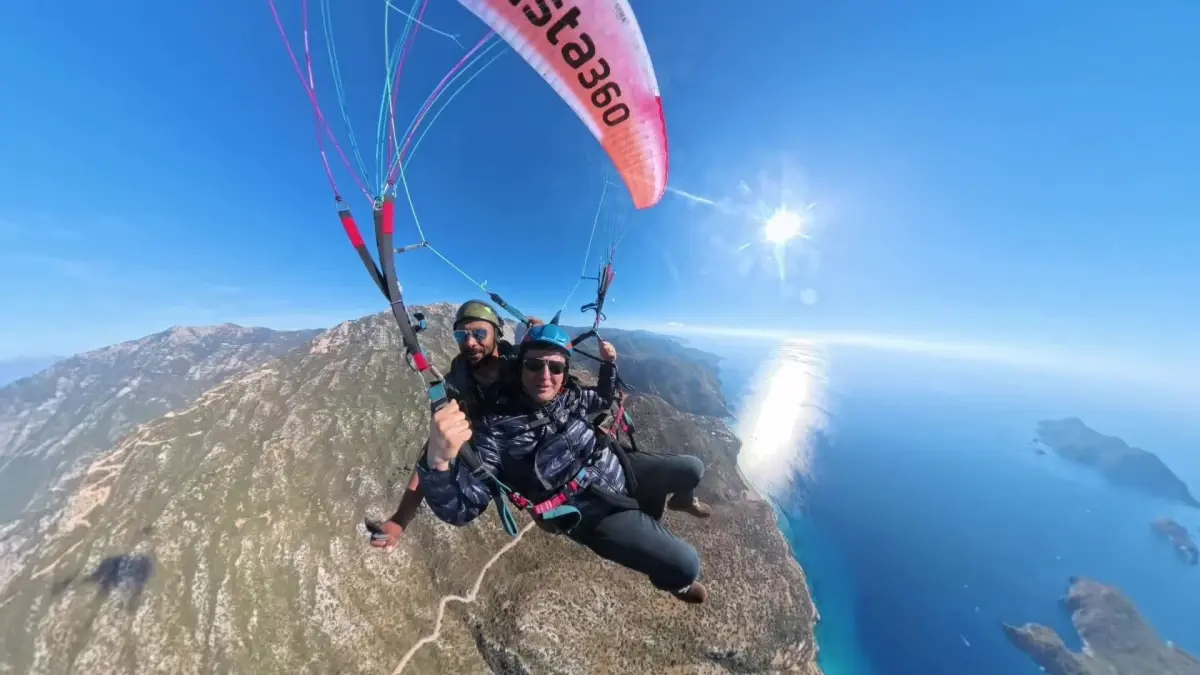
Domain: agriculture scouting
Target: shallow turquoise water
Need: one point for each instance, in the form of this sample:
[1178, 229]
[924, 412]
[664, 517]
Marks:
[930, 521]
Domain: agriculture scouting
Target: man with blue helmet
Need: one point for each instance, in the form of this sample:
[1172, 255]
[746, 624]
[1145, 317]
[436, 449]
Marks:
[475, 380]
[543, 447]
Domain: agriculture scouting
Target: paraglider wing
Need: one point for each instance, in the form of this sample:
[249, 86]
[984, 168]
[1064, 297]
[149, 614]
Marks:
[592, 52]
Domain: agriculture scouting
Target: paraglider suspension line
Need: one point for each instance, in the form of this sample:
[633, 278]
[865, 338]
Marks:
[310, 88]
[336, 70]
[587, 253]
[411, 206]
[393, 141]
[456, 268]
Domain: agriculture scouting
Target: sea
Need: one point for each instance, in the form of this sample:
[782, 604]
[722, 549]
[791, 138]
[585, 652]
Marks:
[924, 518]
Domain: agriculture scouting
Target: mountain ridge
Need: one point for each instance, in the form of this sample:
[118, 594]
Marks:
[19, 367]
[53, 420]
[235, 522]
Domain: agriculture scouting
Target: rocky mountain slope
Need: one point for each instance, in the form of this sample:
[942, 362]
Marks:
[1118, 640]
[661, 365]
[1120, 463]
[227, 537]
[55, 420]
[14, 369]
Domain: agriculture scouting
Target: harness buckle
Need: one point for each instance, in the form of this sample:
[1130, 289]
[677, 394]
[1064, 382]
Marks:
[572, 488]
[552, 503]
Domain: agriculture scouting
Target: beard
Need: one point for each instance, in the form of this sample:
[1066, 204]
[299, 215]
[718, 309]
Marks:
[476, 355]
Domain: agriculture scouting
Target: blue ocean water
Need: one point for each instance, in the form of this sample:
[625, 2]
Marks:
[929, 520]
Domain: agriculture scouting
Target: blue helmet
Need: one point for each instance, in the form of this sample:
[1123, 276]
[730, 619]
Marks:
[548, 335]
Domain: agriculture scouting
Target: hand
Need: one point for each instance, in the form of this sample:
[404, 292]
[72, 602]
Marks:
[385, 535]
[608, 352]
[448, 431]
[534, 321]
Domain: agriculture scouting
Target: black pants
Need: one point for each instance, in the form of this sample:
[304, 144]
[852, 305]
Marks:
[635, 538]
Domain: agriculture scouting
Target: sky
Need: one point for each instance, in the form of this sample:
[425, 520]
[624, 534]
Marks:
[1007, 173]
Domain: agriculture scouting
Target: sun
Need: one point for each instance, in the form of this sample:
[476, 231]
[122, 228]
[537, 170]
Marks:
[782, 226]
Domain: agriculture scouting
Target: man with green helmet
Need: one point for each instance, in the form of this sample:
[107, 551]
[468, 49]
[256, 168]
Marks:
[475, 379]
[477, 330]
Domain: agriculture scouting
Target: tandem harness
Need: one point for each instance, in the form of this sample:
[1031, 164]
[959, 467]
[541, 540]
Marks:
[555, 508]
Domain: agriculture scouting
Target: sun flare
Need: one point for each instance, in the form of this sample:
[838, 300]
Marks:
[782, 226]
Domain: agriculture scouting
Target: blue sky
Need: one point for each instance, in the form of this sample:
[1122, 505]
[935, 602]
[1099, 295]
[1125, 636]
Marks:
[1017, 173]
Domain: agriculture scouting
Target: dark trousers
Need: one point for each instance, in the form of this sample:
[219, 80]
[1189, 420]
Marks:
[637, 539]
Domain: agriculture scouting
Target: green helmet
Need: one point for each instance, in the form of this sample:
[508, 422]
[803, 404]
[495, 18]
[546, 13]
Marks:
[478, 310]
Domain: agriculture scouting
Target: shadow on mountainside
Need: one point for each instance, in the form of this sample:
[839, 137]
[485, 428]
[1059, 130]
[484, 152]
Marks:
[124, 575]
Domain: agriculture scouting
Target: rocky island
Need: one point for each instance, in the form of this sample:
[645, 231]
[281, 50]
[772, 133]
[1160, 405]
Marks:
[1119, 463]
[226, 535]
[1180, 538]
[1118, 640]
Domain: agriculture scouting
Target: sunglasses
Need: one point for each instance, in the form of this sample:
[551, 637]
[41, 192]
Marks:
[538, 365]
[480, 335]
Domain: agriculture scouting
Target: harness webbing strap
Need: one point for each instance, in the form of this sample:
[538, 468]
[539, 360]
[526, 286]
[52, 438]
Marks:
[573, 487]
[619, 421]
[360, 246]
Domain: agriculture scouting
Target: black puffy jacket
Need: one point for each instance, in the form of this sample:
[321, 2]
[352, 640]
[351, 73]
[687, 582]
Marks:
[533, 451]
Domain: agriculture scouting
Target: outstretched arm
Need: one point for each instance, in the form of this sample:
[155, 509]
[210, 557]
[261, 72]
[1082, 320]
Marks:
[410, 501]
[386, 535]
[598, 398]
